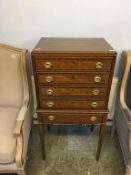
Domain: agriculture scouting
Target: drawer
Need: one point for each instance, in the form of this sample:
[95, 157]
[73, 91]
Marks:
[65, 64]
[65, 78]
[71, 104]
[72, 118]
[72, 91]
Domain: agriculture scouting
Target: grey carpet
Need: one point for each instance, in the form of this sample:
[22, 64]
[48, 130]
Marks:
[71, 150]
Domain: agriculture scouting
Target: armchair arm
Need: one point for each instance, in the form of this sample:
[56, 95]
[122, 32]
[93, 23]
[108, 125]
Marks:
[20, 119]
[26, 95]
[123, 103]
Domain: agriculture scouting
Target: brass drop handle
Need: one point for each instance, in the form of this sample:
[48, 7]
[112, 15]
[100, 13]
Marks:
[47, 65]
[94, 104]
[97, 79]
[49, 91]
[93, 118]
[50, 104]
[51, 117]
[96, 92]
[99, 65]
[48, 79]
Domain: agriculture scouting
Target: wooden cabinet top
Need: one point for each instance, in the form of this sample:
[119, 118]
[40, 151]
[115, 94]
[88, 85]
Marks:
[82, 45]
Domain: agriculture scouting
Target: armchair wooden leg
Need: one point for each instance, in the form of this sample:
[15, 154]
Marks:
[21, 172]
[128, 170]
[41, 135]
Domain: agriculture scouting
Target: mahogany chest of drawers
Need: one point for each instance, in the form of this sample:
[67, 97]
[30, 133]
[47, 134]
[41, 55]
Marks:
[73, 78]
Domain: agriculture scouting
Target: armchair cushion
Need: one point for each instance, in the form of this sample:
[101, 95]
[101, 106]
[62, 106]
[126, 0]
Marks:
[8, 117]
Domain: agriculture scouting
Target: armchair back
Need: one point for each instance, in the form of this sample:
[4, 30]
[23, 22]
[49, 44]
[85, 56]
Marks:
[12, 81]
[125, 91]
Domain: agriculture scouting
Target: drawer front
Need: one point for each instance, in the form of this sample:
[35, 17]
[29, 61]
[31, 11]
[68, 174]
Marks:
[71, 118]
[65, 64]
[68, 91]
[85, 78]
[72, 104]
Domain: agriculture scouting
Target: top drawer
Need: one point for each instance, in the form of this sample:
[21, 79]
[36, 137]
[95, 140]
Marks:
[73, 64]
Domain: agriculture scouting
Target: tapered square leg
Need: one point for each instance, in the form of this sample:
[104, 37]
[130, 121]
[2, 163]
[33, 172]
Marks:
[100, 142]
[41, 135]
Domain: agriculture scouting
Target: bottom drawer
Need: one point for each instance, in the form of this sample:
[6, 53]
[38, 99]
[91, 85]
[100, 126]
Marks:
[71, 118]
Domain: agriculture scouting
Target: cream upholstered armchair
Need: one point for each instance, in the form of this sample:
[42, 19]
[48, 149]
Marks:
[15, 109]
[123, 111]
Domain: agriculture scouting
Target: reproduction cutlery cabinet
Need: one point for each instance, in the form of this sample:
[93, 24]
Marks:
[73, 78]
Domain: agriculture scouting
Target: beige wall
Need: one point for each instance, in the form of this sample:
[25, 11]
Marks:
[23, 22]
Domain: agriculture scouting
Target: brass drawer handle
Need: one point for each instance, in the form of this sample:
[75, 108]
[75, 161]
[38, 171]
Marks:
[99, 65]
[49, 91]
[96, 92]
[37, 48]
[97, 79]
[93, 118]
[48, 79]
[47, 65]
[50, 104]
[51, 117]
[94, 104]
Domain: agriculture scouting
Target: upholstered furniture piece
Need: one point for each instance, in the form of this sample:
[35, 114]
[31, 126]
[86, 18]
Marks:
[15, 109]
[123, 111]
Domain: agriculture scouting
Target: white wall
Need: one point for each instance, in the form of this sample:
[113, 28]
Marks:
[23, 22]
